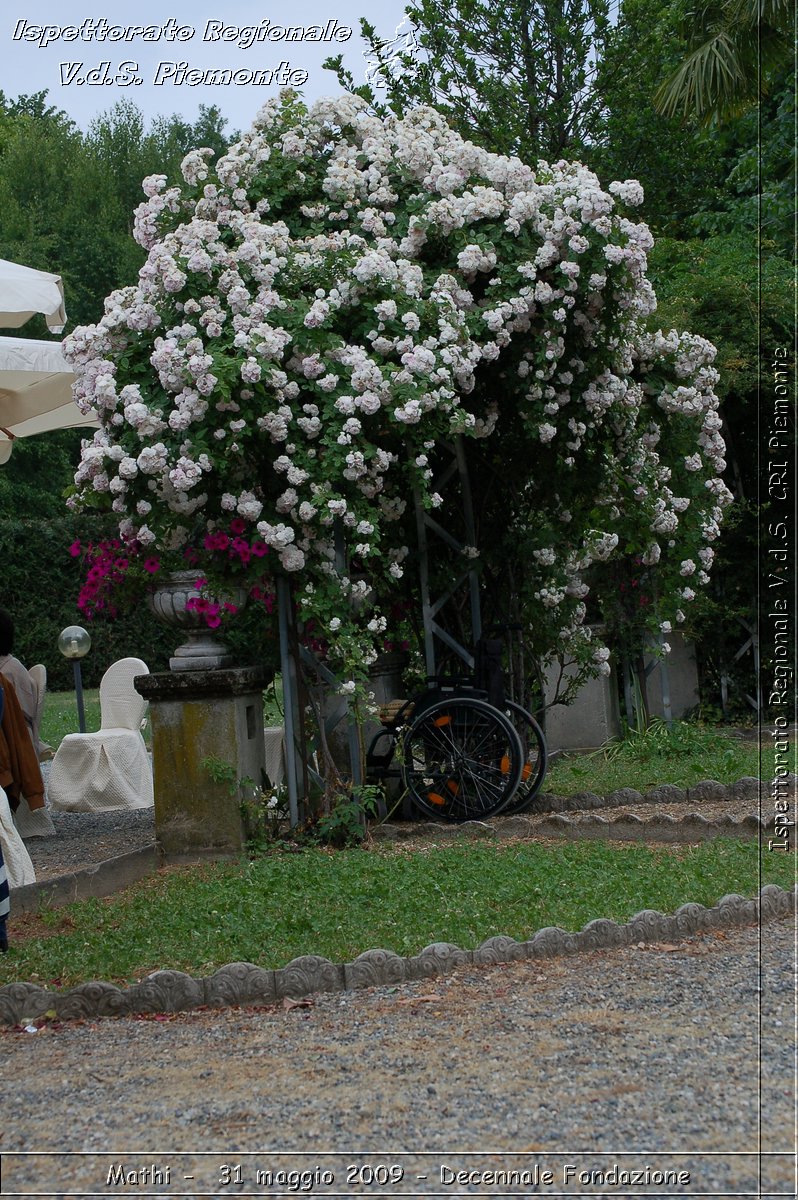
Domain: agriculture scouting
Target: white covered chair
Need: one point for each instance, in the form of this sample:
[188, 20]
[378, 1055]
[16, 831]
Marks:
[111, 768]
[19, 867]
[38, 677]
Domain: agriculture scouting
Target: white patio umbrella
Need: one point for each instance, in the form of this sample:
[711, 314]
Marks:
[35, 392]
[25, 291]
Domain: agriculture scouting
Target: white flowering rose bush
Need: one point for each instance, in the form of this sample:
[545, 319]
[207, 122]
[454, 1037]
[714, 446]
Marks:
[337, 294]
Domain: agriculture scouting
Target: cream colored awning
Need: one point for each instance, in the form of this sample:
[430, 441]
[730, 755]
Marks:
[24, 292]
[35, 392]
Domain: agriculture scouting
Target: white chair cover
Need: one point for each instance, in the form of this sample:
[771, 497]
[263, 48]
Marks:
[38, 677]
[274, 748]
[111, 768]
[19, 867]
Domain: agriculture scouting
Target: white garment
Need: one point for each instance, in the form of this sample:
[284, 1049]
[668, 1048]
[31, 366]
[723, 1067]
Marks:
[32, 823]
[19, 867]
[24, 686]
[111, 768]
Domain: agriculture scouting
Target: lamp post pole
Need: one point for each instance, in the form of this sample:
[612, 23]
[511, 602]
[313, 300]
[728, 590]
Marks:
[79, 694]
[75, 643]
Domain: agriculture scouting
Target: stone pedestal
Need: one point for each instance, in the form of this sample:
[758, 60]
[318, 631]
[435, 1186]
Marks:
[591, 720]
[196, 716]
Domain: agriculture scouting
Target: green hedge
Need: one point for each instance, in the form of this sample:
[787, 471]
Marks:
[40, 586]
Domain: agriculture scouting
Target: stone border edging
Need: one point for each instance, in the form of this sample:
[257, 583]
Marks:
[245, 983]
[691, 828]
[102, 879]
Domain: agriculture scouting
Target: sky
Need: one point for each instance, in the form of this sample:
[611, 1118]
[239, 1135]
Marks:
[86, 72]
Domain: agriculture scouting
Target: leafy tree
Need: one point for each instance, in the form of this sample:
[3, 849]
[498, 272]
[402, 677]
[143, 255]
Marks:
[758, 155]
[68, 198]
[742, 301]
[127, 151]
[518, 78]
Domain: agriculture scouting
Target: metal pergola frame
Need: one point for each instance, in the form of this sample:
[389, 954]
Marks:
[300, 770]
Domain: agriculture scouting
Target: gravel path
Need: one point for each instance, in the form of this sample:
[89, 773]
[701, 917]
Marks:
[84, 839]
[637, 1056]
[637, 1059]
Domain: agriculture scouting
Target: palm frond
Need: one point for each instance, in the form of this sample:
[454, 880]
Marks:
[712, 79]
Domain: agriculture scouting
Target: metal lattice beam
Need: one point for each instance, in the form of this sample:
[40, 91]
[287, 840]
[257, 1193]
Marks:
[454, 474]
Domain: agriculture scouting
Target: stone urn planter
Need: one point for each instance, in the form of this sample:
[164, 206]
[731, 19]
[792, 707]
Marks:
[202, 650]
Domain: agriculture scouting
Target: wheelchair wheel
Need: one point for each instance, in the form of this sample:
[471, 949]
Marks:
[461, 760]
[533, 771]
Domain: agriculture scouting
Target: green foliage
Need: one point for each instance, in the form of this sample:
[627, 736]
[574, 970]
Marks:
[345, 823]
[265, 814]
[338, 905]
[733, 47]
[221, 771]
[682, 169]
[757, 198]
[67, 201]
[264, 809]
[36, 475]
[68, 198]
[741, 298]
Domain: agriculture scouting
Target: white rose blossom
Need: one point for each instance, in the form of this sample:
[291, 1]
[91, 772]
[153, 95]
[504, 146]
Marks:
[229, 382]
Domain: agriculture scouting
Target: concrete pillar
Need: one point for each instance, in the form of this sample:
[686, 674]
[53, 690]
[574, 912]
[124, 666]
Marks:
[591, 720]
[196, 716]
[672, 683]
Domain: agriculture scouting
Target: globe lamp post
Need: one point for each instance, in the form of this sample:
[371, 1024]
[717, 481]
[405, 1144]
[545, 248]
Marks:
[75, 643]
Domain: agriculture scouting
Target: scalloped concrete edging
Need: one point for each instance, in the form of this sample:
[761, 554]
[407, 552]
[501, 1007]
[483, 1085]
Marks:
[691, 828]
[706, 790]
[661, 828]
[245, 983]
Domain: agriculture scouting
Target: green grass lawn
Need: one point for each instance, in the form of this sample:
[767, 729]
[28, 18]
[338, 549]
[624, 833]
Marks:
[682, 755]
[340, 903]
[60, 715]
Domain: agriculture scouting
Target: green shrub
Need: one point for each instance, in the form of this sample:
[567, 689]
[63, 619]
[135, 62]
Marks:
[41, 582]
